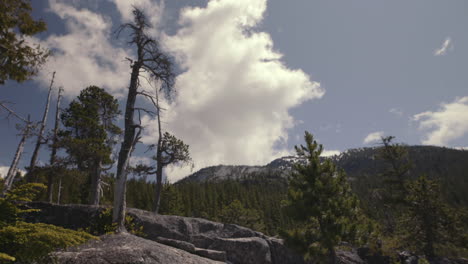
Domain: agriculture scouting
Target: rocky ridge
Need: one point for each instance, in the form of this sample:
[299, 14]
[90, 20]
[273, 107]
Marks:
[177, 240]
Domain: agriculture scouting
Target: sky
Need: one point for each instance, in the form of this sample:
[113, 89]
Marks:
[253, 75]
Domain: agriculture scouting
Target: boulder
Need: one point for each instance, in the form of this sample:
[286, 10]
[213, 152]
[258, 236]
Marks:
[126, 248]
[246, 250]
[239, 244]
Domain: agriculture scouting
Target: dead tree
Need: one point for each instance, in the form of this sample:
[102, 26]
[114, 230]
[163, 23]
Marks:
[53, 154]
[10, 177]
[150, 60]
[40, 136]
[169, 150]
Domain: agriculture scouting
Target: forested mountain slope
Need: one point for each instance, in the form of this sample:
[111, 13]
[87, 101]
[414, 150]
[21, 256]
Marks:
[363, 168]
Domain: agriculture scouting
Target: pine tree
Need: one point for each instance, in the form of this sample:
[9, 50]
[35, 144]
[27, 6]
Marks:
[19, 60]
[321, 204]
[427, 222]
[89, 134]
[393, 189]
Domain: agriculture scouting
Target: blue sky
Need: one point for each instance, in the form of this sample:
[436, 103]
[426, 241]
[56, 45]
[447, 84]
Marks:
[254, 74]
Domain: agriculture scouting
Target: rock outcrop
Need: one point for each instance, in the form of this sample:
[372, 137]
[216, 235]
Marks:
[127, 248]
[177, 239]
[208, 239]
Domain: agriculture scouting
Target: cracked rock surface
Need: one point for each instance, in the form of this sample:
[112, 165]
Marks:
[127, 248]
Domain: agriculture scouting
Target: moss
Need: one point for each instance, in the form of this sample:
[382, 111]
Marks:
[5, 258]
[28, 242]
[31, 242]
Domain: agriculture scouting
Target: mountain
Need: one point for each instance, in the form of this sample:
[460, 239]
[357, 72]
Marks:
[450, 166]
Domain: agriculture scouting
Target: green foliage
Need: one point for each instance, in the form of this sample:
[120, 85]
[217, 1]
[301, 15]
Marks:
[260, 195]
[89, 135]
[322, 205]
[236, 213]
[26, 242]
[31, 242]
[174, 150]
[89, 127]
[396, 173]
[428, 222]
[6, 258]
[103, 225]
[19, 60]
[172, 200]
[23, 193]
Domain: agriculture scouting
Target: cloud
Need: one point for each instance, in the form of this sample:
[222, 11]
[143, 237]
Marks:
[448, 123]
[373, 137]
[235, 92]
[396, 111]
[84, 54]
[153, 10]
[4, 171]
[446, 46]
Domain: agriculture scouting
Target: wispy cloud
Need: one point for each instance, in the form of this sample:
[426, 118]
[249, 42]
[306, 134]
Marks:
[446, 124]
[396, 111]
[373, 137]
[446, 46]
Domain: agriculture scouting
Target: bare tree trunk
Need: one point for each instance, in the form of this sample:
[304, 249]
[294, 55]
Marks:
[125, 151]
[159, 165]
[10, 177]
[40, 138]
[151, 60]
[332, 259]
[53, 154]
[95, 196]
[59, 191]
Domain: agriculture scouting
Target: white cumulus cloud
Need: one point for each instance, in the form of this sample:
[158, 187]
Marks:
[373, 137]
[3, 171]
[235, 94]
[446, 46]
[446, 124]
[84, 54]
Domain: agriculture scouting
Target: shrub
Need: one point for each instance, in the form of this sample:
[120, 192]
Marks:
[27, 242]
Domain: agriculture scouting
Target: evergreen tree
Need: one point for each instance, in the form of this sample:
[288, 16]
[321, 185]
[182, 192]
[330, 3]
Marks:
[236, 213]
[427, 222]
[89, 134]
[321, 204]
[394, 176]
[392, 191]
[19, 60]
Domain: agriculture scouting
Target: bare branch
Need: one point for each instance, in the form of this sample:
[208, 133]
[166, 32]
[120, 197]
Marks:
[13, 113]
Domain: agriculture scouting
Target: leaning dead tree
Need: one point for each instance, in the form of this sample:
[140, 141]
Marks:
[40, 137]
[152, 61]
[53, 153]
[26, 131]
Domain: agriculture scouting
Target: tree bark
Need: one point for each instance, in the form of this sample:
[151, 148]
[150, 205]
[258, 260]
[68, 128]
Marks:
[53, 154]
[40, 139]
[332, 256]
[10, 177]
[95, 194]
[159, 165]
[125, 151]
